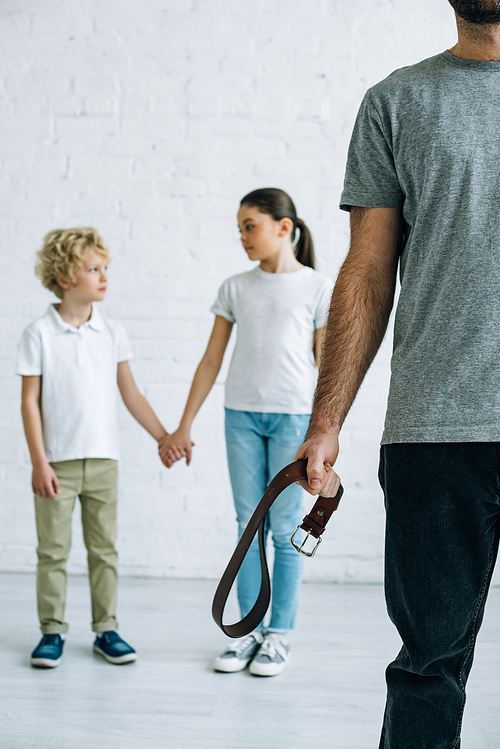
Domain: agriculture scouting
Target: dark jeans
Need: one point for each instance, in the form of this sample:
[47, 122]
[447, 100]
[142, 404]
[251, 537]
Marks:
[443, 514]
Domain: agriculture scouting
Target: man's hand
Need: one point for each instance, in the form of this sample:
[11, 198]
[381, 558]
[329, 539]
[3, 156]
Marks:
[173, 447]
[44, 481]
[321, 451]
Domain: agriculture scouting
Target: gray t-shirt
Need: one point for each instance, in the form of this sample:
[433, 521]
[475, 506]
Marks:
[427, 138]
[277, 315]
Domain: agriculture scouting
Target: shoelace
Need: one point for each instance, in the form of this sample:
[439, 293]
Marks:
[272, 646]
[111, 637]
[243, 645]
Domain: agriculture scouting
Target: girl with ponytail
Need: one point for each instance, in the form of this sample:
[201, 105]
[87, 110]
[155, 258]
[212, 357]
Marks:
[279, 308]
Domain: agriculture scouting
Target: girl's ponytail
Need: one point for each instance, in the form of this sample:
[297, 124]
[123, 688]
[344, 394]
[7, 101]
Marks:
[304, 249]
[279, 205]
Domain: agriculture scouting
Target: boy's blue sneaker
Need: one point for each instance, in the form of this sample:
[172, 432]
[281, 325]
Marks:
[48, 652]
[111, 646]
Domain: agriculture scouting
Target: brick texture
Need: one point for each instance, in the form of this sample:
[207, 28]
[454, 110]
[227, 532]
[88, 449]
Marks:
[150, 120]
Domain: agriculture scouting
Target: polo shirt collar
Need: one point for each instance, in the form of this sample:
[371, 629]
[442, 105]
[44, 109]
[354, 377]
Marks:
[58, 325]
[96, 322]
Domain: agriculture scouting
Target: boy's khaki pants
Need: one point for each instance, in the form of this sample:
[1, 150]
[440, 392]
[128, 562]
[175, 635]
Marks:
[95, 482]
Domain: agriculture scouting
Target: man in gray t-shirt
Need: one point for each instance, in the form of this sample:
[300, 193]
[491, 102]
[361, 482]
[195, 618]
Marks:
[428, 139]
[423, 187]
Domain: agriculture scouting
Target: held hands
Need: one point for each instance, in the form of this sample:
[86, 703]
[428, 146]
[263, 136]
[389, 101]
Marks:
[173, 447]
[44, 481]
[321, 451]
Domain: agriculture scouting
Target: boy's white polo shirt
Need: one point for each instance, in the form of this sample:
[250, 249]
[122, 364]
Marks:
[79, 382]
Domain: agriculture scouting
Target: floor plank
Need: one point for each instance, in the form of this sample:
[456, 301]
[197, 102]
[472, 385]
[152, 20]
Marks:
[331, 696]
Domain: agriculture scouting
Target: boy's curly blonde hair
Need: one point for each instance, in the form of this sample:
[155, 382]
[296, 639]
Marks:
[64, 250]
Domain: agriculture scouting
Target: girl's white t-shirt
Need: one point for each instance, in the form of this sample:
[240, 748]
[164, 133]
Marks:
[273, 368]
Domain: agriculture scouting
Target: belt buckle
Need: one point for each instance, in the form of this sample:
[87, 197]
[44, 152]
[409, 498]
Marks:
[300, 549]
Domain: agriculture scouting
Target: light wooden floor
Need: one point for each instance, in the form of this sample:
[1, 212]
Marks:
[331, 696]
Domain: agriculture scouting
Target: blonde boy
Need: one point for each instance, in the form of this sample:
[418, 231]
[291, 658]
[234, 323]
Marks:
[70, 361]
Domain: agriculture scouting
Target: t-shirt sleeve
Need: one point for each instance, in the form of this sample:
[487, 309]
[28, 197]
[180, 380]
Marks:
[223, 304]
[29, 354]
[370, 180]
[123, 349]
[324, 297]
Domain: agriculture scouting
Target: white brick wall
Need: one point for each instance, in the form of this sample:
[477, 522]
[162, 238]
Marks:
[150, 120]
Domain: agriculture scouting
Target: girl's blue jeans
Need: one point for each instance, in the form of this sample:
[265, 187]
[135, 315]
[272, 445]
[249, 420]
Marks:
[443, 521]
[258, 446]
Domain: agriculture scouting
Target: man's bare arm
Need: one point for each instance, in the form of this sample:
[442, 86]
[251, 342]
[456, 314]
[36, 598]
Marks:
[359, 312]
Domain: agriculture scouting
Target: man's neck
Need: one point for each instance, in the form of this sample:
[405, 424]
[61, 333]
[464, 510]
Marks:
[477, 42]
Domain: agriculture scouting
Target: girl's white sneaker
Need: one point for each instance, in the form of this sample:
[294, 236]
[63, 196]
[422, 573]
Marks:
[272, 656]
[238, 655]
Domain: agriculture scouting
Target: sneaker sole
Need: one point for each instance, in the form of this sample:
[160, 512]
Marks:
[45, 662]
[267, 669]
[117, 660]
[225, 666]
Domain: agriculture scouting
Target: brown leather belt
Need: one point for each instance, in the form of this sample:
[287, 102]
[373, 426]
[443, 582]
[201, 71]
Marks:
[313, 524]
